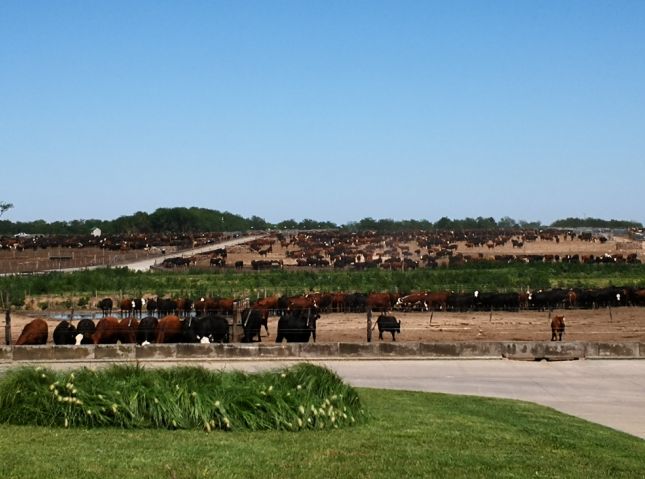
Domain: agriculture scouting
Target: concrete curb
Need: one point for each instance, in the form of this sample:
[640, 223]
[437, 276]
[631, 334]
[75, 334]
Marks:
[521, 350]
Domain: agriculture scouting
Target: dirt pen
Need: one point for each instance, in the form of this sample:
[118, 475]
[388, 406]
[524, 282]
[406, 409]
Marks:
[607, 324]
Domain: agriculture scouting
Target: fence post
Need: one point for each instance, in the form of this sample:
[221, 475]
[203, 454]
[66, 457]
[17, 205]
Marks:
[7, 322]
[236, 327]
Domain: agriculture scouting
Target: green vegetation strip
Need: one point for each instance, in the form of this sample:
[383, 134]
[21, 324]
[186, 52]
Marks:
[408, 435]
[302, 397]
[477, 276]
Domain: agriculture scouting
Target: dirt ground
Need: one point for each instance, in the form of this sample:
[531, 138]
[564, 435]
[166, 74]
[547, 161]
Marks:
[617, 324]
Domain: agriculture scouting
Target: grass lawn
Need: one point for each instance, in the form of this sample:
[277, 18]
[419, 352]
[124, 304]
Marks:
[408, 434]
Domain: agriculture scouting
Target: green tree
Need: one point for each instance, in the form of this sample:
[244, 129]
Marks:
[5, 207]
[507, 222]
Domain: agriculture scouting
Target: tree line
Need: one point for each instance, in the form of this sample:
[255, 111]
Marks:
[194, 220]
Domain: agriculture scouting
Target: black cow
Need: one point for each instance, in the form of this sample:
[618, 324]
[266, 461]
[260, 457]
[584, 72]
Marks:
[210, 328]
[147, 330]
[252, 322]
[388, 324]
[166, 307]
[550, 299]
[356, 302]
[64, 333]
[105, 305]
[297, 326]
[151, 306]
[85, 328]
[460, 301]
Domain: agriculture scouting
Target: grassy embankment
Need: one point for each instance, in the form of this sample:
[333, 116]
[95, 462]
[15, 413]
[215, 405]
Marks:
[406, 434]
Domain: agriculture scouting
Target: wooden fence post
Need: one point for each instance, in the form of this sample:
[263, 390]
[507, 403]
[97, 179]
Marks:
[237, 328]
[7, 322]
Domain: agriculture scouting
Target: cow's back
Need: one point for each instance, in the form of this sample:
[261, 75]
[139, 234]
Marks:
[34, 333]
[107, 331]
[169, 329]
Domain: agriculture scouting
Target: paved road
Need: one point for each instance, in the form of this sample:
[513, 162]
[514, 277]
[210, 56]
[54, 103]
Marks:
[145, 265]
[608, 392]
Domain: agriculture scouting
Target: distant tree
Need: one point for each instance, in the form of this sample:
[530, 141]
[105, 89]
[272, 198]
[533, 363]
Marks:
[258, 223]
[486, 223]
[5, 207]
[595, 223]
[530, 224]
[288, 225]
[367, 224]
[444, 223]
[507, 222]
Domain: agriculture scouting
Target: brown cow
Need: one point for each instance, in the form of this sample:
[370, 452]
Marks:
[128, 330]
[111, 330]
[270, 302]
[571, 299]
[381, 301]
[107, 331]
[126, 306]
[205, 305]
[437, 298]
[523, 299]
[224, 305]
[35, 332]
[266, 306]
[557, 328]
[295, 303]
[638, 297]
[184, 306]
[169, 330]
[338, 302]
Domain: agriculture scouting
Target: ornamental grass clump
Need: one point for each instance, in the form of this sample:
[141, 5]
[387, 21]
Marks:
[297, 398]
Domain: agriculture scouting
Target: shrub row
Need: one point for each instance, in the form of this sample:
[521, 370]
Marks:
[297, 398]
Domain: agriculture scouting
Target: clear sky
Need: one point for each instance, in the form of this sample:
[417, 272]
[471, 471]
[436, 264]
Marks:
[329, 110]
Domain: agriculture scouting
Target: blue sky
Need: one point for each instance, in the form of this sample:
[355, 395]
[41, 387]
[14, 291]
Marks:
[322, 109]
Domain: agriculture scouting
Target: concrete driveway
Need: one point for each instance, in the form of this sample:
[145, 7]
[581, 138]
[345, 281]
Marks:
[608, 392]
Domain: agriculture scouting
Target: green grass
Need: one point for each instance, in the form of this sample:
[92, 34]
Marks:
[470, 277]
[297, 398]
[407, 435]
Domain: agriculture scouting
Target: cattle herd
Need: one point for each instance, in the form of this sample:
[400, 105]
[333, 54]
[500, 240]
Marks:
[411, 250]
[337, 249]
[210, 320]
